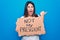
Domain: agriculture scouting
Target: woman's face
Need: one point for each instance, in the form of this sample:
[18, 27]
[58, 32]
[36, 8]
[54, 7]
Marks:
[30, 9]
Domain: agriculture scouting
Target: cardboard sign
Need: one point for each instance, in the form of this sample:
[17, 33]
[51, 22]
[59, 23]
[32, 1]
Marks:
[30, 26]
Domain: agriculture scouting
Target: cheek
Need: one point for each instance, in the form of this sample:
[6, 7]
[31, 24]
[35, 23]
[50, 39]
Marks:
[28, 9]
[32, 9]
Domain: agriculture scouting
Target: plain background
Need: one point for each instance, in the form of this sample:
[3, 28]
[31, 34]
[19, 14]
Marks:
[10, 10]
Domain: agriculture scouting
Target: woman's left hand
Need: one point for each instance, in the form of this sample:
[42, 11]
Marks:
[43, 13]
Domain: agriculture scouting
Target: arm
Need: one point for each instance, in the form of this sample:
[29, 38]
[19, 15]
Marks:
[17, 24]
[42, 15]
[17, 27]
[42, 19]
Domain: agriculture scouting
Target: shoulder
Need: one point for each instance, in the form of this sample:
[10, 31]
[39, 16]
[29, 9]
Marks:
[19, 18]
[38, 15]
[22, 17]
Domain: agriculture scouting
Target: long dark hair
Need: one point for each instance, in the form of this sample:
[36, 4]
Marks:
[26, 11]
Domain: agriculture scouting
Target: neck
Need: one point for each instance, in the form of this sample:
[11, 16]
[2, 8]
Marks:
[29, 16]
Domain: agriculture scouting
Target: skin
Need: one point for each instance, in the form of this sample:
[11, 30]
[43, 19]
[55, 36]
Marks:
[42, 15]
[30, 9]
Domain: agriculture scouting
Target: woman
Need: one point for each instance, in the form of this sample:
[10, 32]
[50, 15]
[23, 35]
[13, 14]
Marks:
[30, 12]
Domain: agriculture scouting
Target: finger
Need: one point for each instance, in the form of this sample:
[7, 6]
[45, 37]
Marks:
[45, 12]
[42, 11]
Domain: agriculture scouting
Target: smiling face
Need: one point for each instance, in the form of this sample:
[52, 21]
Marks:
[30, 9]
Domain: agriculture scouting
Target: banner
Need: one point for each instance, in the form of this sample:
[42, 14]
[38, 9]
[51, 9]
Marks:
[30, 26]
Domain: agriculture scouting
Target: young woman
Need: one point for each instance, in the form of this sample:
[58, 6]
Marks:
[30, 12]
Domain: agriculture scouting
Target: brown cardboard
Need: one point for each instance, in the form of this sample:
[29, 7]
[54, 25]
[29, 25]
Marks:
[30, 26]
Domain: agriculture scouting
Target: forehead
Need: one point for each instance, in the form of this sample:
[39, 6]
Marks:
[30, 4]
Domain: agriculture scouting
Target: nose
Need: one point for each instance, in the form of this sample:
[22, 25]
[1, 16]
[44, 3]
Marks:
[31, 8]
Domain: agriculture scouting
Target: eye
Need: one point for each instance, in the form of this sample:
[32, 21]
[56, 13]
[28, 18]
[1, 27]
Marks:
[28, 6]
[31, 6]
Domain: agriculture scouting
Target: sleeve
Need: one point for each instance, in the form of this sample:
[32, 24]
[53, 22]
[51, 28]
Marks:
[22, 17]
[38, 15]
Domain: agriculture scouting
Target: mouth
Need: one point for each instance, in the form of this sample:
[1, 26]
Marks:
[30, 11]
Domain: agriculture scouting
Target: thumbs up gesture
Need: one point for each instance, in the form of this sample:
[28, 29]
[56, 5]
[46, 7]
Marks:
[43, 13]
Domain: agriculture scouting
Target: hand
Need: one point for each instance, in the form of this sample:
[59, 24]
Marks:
[43, 13]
